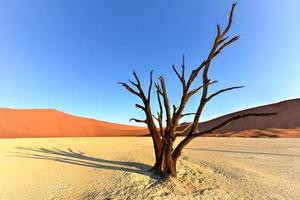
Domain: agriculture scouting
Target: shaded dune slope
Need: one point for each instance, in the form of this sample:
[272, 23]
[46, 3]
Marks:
[286, 123]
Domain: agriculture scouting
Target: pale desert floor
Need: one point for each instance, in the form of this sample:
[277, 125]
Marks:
[116, 168]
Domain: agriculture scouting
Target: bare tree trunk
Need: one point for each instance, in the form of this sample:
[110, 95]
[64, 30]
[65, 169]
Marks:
[168, 165]
[164, 163]
[158, 158]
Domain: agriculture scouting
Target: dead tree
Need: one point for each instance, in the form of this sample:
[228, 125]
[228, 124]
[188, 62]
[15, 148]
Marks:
[163, 137]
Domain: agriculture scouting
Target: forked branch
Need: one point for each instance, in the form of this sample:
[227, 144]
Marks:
[138, 120]
[221, 91]
[130, 89]
[229, 121]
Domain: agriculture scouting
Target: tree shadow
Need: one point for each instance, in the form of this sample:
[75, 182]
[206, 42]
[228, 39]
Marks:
[80, 158]
[243, 152]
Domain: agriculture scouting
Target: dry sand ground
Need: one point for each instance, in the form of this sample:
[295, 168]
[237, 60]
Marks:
[116, 168]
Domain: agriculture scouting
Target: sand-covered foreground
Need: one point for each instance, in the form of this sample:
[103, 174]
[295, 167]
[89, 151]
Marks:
[116, 168]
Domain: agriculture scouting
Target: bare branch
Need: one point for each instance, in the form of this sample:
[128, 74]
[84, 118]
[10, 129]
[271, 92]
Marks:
[166, 101]
[150, 85]
[140, 106]
[195, 72]
[229, 21]
[160, 113]
[187, 114]
[133, 83]
[139, 87]
[158, 93]
[130, 89]
[222, 40]
[136, 78]
[181, 76]
[213, 52]
[176, 153]
[179, 133]
[157, 142]
[194, 91]
[177, 73]
[138, 120]
[206, 82]
[174, 110]
[156, 117]
[221, 91]
[218, 29]
[226, 44]
[183, 68]
[230, 120]
[158, 88]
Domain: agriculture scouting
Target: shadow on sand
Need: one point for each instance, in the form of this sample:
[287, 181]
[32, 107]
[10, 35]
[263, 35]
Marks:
[79, 158]
[242, 152]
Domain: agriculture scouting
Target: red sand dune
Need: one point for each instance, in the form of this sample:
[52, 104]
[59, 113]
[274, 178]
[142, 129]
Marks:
[16, 123]
[286, 123]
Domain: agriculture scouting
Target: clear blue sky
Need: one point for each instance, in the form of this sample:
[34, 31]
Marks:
[69, 55]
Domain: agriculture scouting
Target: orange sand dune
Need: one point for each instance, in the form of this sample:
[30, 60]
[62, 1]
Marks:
[16, 123]
[286, 123]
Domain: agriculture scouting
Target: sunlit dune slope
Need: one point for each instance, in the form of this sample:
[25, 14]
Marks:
[52, 123]
[286, 123]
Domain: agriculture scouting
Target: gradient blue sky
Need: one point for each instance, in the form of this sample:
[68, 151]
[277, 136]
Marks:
[69, 55]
